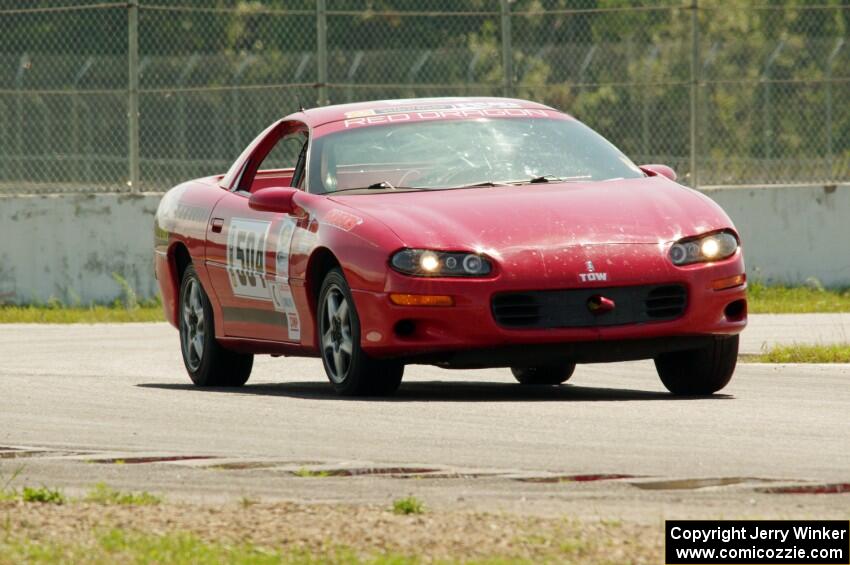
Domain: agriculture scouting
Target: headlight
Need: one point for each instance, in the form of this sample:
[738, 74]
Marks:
[424, 263]
[704, 249]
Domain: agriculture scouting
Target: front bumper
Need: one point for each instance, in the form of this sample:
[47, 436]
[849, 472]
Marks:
[443, 334]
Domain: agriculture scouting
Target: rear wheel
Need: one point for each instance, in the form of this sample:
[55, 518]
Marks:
[207, 362]
[544, 375]
[349, 369]
[699, 371]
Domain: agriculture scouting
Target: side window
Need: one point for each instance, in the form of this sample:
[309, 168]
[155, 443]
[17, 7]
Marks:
[275, 161]
[284, 155]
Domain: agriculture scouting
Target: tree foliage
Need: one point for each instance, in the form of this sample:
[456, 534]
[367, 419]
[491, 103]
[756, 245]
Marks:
[773, 94]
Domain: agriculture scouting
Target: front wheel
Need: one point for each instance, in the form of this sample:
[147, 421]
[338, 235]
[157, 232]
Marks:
[544, 375]
[699, 371]
[207, 362]
[349, 369]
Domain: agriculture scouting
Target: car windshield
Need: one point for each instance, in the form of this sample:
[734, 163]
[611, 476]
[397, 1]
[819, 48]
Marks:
[463, 153]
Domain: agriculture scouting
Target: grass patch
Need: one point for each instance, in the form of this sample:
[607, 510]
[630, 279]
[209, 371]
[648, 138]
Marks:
[101, 493]
[8, 494]
[763, 299]
[123, 546]
[409, 505]
[126, 308]
[180, 548]
[77, 532]
[52, 314]
[42, 495]
[802, 353]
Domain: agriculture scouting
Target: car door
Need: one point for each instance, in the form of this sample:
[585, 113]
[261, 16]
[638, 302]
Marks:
[248, 250]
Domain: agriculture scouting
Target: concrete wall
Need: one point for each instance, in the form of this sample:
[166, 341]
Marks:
[68, 246]
[792, 233]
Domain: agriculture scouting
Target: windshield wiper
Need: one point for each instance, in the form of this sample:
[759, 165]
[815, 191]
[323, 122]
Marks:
[542, 178]
[533, 180]
[475, 184]
[553, 178]
[383, 185]
[485, 183]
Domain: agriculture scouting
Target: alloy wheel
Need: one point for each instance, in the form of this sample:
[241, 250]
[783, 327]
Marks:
[193, 327]
[337, 341]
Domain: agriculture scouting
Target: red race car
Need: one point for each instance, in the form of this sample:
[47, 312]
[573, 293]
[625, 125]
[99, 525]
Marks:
[458, 232]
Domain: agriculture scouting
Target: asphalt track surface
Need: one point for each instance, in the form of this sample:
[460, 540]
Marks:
[82, 392]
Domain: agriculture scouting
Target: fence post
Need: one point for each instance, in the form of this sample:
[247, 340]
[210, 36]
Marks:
[75, 121]
[235, 105]
[133, 92]
[695, 68]
[181, 122]
[507, 50]
[768, 102]
[830, 156]
[23, 66]
[322, 51]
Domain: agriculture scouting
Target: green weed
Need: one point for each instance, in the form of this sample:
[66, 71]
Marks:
[408, 505]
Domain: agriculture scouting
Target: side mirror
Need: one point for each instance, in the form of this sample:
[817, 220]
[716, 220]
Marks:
[655, 170]
[274, 199]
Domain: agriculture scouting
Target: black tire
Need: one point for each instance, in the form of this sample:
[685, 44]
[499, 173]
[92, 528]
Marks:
[215, 366]
[545, 375]
[349, 369]
[699, 371]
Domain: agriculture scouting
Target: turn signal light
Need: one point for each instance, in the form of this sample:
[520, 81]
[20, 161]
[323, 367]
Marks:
[421, 300]
[728, 282]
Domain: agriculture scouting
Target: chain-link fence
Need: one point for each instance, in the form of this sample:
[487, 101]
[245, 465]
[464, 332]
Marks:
[136, 95]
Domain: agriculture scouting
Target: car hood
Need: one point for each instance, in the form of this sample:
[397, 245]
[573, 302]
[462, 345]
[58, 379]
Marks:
[539, 216]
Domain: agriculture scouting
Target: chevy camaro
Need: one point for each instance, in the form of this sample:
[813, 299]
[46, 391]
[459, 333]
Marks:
[458, 232]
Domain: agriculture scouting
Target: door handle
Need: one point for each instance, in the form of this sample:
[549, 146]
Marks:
[217, 224]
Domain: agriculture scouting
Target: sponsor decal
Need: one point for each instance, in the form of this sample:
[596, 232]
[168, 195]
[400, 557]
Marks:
[191, 213]
[591, 274]
[175, 215]
[430, 107]
[281, 292]
[342, 219]
[442, 114]
[283, 302]
[360, 113]
[293, 325]
[161, 236]
[246, 258]
[284, 242]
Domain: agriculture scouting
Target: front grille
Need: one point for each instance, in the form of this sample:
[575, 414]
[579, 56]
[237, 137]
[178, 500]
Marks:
[666, 302]
[568, 308]
[516, 310]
